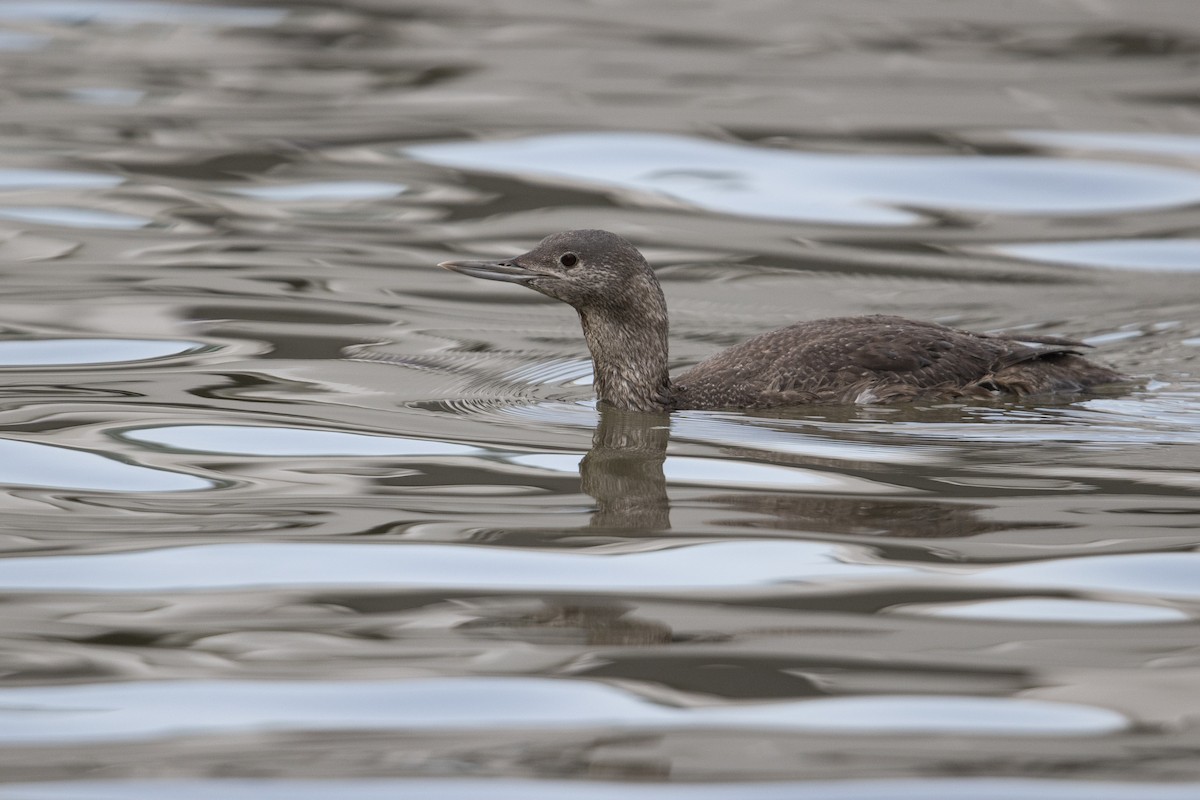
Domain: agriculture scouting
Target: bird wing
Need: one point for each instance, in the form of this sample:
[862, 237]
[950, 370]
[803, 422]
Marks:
[874, 358]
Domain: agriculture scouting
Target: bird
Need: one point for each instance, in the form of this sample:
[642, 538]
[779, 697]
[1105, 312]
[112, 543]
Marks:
[872, 359]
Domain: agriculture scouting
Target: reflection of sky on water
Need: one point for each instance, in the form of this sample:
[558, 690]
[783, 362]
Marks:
[1166, 144]
[825, 187]
[1120, 422]
[106, 96]
[723, 565]
[326, 190]
[1158, 255]
[67, 217]
[55, 179]
[14, 41]
[280, 441]
[223, 566]
[773, 436]
[133, 12]
[139, 709]
[1156, 574]
[47, 466]
[722, 472]
[252, 440]
[59, 352]
[1050, 609]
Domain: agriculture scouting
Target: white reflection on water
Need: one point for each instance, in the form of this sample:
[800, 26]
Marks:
[1169, 144]
[1161, 255]
[725, 472]
[1156, 574]
[47, 466]
[733, 430]
[145, 709]
[1049, 609]
[222, 566]
[67, 217]
[722, 472]
[828, 187]
[1156, 419]
[58, 352]
[14, 41]
[55, 179]
[106, 96]
[708, 565]
[253, 440]
[326, 190]
[133, 12]
[524, 789]
[776, 436]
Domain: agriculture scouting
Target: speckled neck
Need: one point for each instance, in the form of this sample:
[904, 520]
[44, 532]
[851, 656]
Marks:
[629, 357]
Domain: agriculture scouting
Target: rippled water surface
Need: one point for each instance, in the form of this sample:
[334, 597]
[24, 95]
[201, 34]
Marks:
[289, 512]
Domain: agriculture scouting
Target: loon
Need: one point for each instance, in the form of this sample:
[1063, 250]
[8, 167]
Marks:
[865, 359]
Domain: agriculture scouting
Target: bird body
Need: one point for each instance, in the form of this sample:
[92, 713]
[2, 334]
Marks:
[865, 359]
[883, 359]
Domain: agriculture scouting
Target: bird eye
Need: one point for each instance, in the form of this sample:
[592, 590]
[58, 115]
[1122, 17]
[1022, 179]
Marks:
[568, 259]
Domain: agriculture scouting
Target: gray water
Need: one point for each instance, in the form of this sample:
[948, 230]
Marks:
[289, 512]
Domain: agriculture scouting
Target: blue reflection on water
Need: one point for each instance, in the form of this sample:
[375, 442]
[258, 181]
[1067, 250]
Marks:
[1157, 574]
[67, 217]
[60, 352]
[14, 41]
[55, 179]
[146, 709]
[827, 187]
[1051, 610]
[47, 466]
[730, 565]
[323, 190]
[1168, 144]
[1162, 255]
[255, 440]
[727, 472]
[107, 96]
[133, 12]
[709, 565]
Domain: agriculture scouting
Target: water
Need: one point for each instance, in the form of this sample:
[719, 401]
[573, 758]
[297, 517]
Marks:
[289, 512]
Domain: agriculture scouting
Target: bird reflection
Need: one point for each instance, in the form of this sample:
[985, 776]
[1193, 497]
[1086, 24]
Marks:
[623, 472]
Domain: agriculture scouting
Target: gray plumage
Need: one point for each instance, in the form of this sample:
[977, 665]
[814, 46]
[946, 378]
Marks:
[869, 359]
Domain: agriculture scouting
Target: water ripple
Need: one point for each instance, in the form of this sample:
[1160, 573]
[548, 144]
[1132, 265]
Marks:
[71, 217]
[1050, 610]
[524, 789]
[726, 473]
[89, 352]
[1161, 255]
[46, 466]
[12, 179]
[327, 191]
[646, 566]
[823, 187]
[223, 566]
[139, 710]
[136, 12]
[251, 440]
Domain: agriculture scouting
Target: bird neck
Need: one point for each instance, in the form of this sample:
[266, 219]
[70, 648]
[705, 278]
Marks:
[629, 357]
